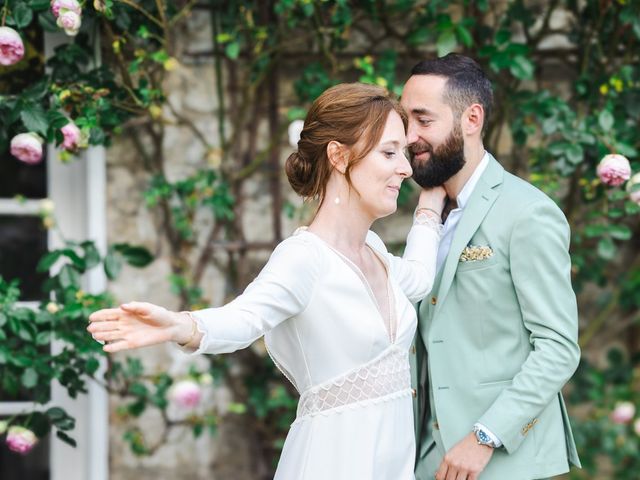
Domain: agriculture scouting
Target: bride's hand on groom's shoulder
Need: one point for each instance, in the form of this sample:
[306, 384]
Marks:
[433, 199]
[135, 325]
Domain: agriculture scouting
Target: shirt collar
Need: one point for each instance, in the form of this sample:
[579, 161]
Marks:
[467, 190]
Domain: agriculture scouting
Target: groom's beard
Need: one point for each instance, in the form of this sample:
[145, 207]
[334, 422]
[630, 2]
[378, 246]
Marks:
[443, 163]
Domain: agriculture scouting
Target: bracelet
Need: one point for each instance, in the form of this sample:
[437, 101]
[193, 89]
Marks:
[194, 330]
[427, 209]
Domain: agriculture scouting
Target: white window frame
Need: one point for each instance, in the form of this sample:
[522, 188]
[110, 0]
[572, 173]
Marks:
[78, 190]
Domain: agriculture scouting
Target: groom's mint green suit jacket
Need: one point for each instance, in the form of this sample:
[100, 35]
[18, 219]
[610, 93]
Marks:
[497, 337]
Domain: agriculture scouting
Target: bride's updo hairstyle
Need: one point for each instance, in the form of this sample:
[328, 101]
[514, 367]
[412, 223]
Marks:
[353, 114]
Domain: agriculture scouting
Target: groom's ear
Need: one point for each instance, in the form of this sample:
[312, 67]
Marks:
[337, 155]
[472, 119]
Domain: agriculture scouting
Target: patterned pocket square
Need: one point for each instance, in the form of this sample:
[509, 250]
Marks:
[475, 253]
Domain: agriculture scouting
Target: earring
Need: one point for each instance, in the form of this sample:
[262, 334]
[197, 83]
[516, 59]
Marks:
[337, 201]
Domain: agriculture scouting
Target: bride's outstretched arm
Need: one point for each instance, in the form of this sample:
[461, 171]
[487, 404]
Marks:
[282, 289]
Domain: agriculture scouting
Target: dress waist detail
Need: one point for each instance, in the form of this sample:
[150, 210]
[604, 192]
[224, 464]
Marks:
[385, 377]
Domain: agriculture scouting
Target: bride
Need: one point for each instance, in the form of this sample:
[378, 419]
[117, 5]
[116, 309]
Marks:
[333, 305]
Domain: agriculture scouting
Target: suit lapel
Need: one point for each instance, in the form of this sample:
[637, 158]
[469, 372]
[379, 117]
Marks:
[474, 212]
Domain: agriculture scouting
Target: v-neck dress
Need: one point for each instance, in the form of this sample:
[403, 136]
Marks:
[324, 331]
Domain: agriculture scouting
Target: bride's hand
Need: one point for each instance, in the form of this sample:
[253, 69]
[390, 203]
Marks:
[138, 324]
[433, 199]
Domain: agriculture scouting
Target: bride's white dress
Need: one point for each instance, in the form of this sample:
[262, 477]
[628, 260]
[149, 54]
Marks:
[325, 332]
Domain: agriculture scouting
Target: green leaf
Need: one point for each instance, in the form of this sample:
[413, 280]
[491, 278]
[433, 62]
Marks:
[92, 366]
[39, 5]
[464, 35]
[56, 413]
[3, 319]
[522, 68]
[606, 248]
[48, 260]
[605, 119]
[232, 50]
[56, 120]
[575, 153]
[37, 91]
[237, 408]
[29, 378]
[48, 22]
[34, 118]
[65, 438]
[43, 338]
[620, 232]
[592, 231]
[112, 264]
[224, 37]
[446, 43]
[136, 256]
[503, 36]
[97, 136]
[27, 331]
[75, 259]
[22, 15]
[69, 277]
[631, 208]
[91, 255]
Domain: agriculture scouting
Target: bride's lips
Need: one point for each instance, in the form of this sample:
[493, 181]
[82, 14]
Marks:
[394, 188]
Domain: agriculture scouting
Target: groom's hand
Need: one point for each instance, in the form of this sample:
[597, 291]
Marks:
[465, 461]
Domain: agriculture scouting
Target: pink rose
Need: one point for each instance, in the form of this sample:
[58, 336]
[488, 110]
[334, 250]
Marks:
[614, 170]
[72, 136]
[69, 21]
[186, 394]
[623, 412]
[27, 147]
[11, 46]
[633, 187]
[20, 439]
[65, 5]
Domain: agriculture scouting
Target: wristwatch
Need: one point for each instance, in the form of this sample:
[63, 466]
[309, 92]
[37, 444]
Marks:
[482, 437]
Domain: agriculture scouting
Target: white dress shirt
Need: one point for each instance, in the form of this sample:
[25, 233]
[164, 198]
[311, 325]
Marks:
[454, 216]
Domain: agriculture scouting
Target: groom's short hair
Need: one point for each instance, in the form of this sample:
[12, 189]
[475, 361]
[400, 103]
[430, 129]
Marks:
[466, 83]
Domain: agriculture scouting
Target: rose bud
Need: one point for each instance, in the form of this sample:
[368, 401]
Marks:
[11, 46]
[27, 147]
[614, 170]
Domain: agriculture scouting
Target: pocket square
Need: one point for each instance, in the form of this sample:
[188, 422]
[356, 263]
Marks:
[475, 253]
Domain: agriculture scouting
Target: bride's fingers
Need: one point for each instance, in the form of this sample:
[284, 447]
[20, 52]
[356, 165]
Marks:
[117, 346]
[137, 308]
[102, 326]
[105, 314]
[109, 336]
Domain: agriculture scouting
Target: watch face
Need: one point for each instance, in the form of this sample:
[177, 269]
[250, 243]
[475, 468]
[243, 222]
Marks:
[483, 437]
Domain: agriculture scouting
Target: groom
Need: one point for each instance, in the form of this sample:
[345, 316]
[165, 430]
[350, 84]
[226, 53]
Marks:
[497, 336]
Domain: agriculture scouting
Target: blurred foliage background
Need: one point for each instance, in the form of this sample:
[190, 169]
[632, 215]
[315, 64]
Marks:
[567, 87]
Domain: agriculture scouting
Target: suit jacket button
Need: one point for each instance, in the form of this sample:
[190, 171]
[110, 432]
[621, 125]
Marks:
[414, 392]
[413, 349]
[434, 300]
[436, 426]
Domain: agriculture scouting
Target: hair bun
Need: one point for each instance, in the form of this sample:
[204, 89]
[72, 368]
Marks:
[300, 174]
